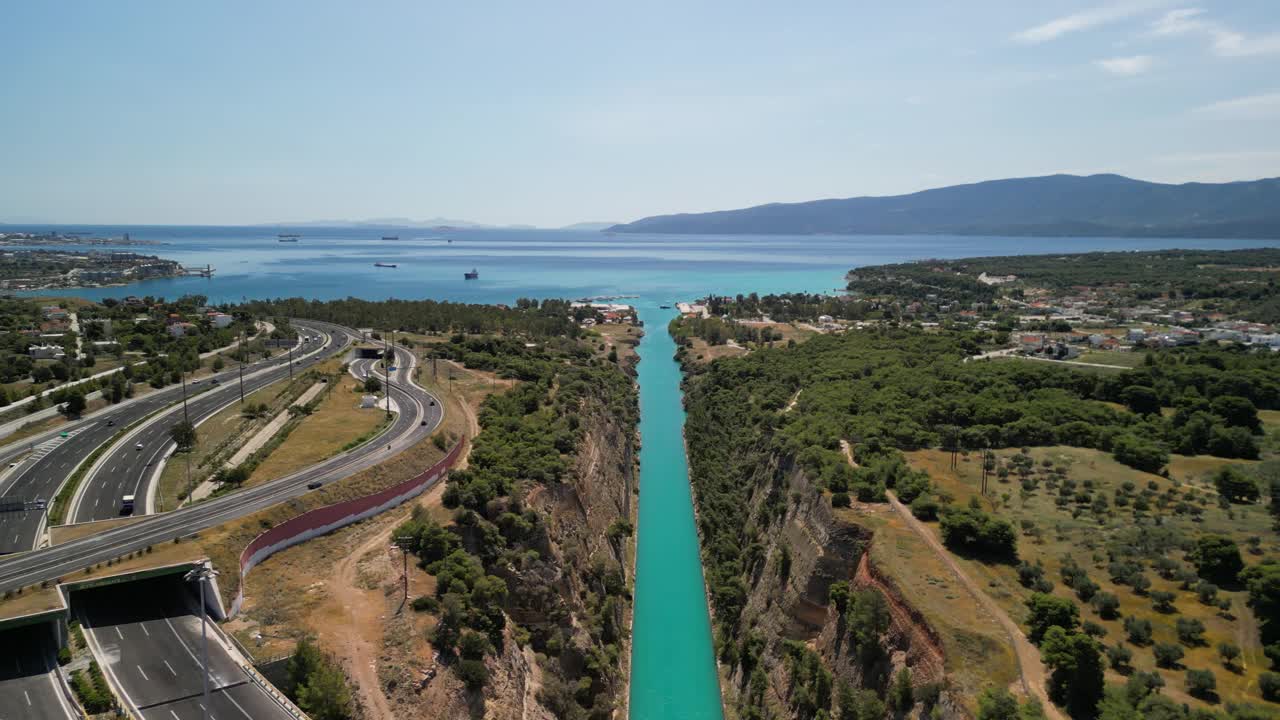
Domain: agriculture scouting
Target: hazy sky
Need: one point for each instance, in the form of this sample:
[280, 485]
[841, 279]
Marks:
[556, 112]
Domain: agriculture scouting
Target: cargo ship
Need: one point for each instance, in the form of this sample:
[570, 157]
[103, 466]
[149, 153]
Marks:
[285, 237]
[389, 265]
[390, 237]
[473, 275]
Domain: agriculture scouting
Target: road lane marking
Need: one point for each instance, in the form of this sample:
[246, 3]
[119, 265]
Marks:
[118, 633]
[227, 694]
[144, 675]
[145, 631]
[28, 697]
[175, 715]
[175, 672]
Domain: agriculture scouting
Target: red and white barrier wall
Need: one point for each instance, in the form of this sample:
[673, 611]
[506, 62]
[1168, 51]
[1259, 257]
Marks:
[320, 521]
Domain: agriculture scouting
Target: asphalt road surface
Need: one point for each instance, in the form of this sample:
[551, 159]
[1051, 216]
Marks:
[28, 687]
[53, 458]
[419, 415]
[146, 636]
[128, 468]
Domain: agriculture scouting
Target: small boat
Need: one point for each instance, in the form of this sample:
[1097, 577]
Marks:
[451, 240]
[287, 237]
[665, 307]
[473, 275]
[389, 265]
[390, 237]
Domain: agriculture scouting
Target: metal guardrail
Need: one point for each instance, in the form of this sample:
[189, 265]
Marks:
[263, 684]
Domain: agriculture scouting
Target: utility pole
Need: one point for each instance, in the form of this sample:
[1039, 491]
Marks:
[243, 350]
[290, 362]
[183, 374]
[203, 574]
[387, 357]
[402, 543]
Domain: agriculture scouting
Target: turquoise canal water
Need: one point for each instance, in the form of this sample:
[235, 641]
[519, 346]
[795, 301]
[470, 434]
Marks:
[673, 673]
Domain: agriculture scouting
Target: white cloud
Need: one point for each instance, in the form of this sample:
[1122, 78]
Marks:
[1179, 22]
[1083, 20]
[1132, 65]
[1262, 104]
[1223, 41]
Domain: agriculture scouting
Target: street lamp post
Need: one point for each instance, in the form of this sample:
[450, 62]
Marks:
[203, 574]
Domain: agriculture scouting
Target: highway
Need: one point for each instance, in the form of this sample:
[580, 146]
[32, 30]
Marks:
[28, 687]
[130, 467]
[53, 458]
[146, 636]
[419, 415]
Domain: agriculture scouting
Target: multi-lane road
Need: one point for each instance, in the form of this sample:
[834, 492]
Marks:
[132, 465]
[419, 413]
[148, 633]
[146, 638]
[53, 458]
[28, 687]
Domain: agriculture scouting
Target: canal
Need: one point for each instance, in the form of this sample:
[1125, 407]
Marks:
[673, 671]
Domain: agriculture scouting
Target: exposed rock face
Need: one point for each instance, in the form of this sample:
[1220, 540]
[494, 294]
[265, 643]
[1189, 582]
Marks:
[819, 549]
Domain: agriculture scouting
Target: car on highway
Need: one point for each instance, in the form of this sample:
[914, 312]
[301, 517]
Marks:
[314, 484]
[63, 435]
[111, 423]
[215, 381]
[423, 423]
[138, 446]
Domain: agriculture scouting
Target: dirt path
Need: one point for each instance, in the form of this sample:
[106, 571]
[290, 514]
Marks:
[360, 636]
[1029, 666]
[1030, 669]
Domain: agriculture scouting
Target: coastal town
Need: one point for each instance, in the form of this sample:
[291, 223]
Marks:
[1043, 311]
[52, 269]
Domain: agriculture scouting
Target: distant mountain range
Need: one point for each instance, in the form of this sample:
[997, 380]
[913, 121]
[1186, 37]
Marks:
[429, 223]
[1053, 205]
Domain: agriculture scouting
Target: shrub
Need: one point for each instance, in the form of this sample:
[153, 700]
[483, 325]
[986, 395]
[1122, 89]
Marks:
[1162, 601]
[425, 603]
[1138, 630]
[1269, 684]
[1168, 655]
[1201, 683]
[1190, 632]
[840, 500]
[1228, 652]
[1119, 657]
[1107, 605]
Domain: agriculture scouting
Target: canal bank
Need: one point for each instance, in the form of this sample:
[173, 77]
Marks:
[673, 670]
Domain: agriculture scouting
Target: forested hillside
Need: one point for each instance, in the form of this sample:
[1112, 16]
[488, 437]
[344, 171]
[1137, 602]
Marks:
[844, 408]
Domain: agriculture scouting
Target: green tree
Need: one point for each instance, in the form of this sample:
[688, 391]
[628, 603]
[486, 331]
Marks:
[901, 694]
[372, 384]
[183, 435]
[997, 704]
[1236, 486]
[326, 696]
[1217, 558]
[1047, 611]
[1076, 682]
[74, 405]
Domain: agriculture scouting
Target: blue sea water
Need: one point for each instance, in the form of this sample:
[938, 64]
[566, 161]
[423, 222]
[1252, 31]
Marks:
[672, 665]
[329, 263]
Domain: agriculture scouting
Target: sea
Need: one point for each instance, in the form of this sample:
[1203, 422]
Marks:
[673, 671]
[336, 262]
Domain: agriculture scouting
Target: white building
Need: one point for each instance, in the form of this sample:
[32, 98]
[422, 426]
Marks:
[221, 320]
[46, 352]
